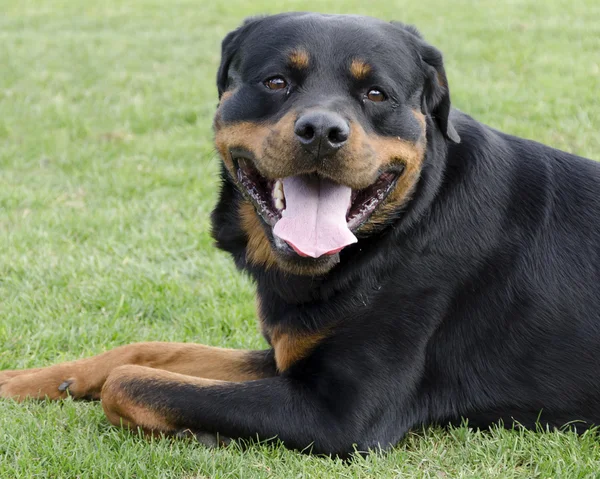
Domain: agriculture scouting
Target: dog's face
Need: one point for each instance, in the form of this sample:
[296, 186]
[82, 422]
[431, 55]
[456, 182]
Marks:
[323, 124]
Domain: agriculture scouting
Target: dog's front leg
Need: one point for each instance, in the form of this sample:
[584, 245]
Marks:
[283, 407]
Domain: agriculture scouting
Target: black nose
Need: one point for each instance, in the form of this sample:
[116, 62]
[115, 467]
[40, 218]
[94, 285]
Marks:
[322, 132]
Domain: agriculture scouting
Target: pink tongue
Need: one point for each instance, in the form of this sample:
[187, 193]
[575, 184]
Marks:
[314, 219]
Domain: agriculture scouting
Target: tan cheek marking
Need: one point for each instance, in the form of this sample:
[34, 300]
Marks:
[290, 348]
[392, 150]
[412, 156]
[245, 135]
[356, 164]
[273, 145]
[421, 119]
[367, 155]
[226, 96]
[281, 150]
[359, 69]
[299, 58]
[258, 250]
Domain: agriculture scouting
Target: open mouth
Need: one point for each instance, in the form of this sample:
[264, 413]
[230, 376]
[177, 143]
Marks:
[313, 215]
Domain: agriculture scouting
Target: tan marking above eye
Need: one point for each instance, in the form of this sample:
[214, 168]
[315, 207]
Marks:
[359, 69]
[298, 58]
[376, 95]
[276, 83]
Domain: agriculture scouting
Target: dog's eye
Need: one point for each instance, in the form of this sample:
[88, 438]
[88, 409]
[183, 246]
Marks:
[275, 83]
[376, 95]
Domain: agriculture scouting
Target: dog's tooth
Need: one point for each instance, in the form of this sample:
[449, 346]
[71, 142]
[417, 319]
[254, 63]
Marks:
[278, 190]
[279, 204]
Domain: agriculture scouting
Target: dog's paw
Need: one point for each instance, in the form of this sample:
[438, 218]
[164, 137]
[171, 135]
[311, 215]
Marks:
[206, 438]
[7, 375]
[55, 382]
[24, 386]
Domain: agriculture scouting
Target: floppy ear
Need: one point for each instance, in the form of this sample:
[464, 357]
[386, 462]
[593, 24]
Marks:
[229, 47]
[436, 95]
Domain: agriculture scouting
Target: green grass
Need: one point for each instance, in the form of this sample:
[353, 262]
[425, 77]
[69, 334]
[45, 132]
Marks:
[107, 177]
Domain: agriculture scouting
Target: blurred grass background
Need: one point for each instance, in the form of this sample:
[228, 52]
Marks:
[108, 174]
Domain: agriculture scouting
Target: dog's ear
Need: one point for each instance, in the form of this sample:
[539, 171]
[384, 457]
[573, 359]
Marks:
[229, 47]
[436, 94]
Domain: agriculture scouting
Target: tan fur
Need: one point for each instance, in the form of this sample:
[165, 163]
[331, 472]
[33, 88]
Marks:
[290, 348]
[226, 96]
[258, 251]
[421, 119]
[365, 156]
[359, 69]
[412, 156]
[245, 135]
[20, 385]
[87, 376]
[357, 164]
[123, 409]
[277, 154]
[299, 59]
[273, 145]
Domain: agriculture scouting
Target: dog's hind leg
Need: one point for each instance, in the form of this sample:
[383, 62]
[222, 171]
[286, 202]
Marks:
[84, 378]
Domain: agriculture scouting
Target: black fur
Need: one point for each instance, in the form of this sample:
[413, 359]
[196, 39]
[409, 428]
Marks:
[480, 299]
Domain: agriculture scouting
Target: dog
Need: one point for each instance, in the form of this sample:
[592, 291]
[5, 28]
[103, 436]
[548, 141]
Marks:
[412, 265]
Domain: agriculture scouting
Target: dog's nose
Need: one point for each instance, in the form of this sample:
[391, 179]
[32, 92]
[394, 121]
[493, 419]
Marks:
[322, 132]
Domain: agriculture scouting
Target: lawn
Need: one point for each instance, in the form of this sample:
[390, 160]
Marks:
[108, 175]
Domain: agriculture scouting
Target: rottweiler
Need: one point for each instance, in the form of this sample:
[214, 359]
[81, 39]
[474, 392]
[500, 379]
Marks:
[412, 265]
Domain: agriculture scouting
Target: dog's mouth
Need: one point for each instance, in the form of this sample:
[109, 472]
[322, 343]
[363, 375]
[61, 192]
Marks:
[313, 215]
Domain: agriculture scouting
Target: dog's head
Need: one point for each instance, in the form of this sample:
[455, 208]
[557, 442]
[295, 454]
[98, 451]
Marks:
[322, 124]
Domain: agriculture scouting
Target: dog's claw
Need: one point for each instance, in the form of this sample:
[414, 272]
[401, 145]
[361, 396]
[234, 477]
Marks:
[64, 386]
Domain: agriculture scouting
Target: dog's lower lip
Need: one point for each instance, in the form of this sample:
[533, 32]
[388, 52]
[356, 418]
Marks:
[371, 197]
[258, 189]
